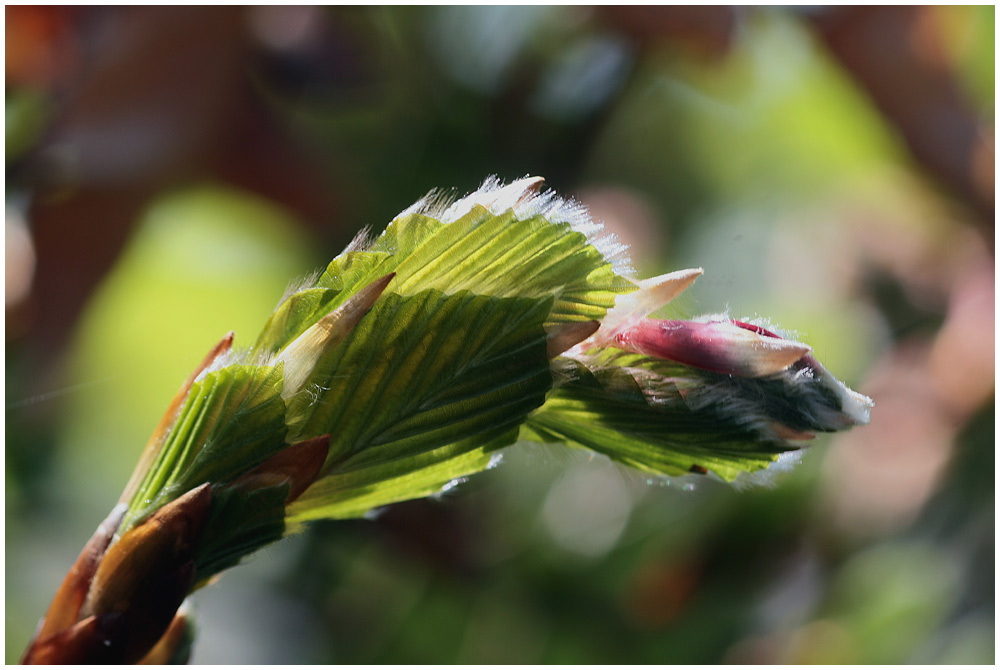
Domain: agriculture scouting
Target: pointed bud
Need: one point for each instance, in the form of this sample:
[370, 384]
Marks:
[297, 465]
[653, 294]
[300, 357]
[149, 551]
[720, 346]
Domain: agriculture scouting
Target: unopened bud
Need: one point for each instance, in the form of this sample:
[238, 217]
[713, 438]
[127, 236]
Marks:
[719, 346]
[148, 552]
[300, 357]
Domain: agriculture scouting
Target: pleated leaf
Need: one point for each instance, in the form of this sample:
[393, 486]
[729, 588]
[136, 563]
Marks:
[450, 359]
[482, 252]
[412, 359]
[232, 420]
[421, 381]
[356, 491]
[502, 256]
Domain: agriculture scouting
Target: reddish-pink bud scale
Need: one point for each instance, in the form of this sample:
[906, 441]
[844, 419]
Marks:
[729, 347]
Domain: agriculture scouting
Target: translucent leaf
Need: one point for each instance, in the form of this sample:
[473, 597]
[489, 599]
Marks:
[482, 252]
[450, 359]
[421, 380]
[232, 420]
[354, 492]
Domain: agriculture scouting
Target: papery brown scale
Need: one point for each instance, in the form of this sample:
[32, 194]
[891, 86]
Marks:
[145, 623]
[298, 465]
[65, 608]
[133, 594]
[566, 335]
[148, 551]
[84, 641]
[301, 355]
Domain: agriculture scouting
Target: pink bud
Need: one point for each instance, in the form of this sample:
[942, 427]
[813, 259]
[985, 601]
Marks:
[729, 347]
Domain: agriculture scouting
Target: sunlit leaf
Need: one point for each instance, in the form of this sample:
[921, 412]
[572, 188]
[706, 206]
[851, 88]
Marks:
[232, 420]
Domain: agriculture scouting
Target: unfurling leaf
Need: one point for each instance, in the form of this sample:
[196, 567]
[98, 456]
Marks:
[408, 364]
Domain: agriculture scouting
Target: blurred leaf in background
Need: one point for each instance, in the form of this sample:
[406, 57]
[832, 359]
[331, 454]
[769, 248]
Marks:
[172, 169]
[202, 261]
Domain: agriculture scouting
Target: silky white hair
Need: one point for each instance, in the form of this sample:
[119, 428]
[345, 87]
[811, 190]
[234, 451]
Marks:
[526, 199]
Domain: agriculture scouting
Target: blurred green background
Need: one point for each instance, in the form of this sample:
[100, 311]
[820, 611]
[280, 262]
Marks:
[168, 171]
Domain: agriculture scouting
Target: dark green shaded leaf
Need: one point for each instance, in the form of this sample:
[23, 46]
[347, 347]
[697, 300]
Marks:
[659, 417]
[242, 520]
